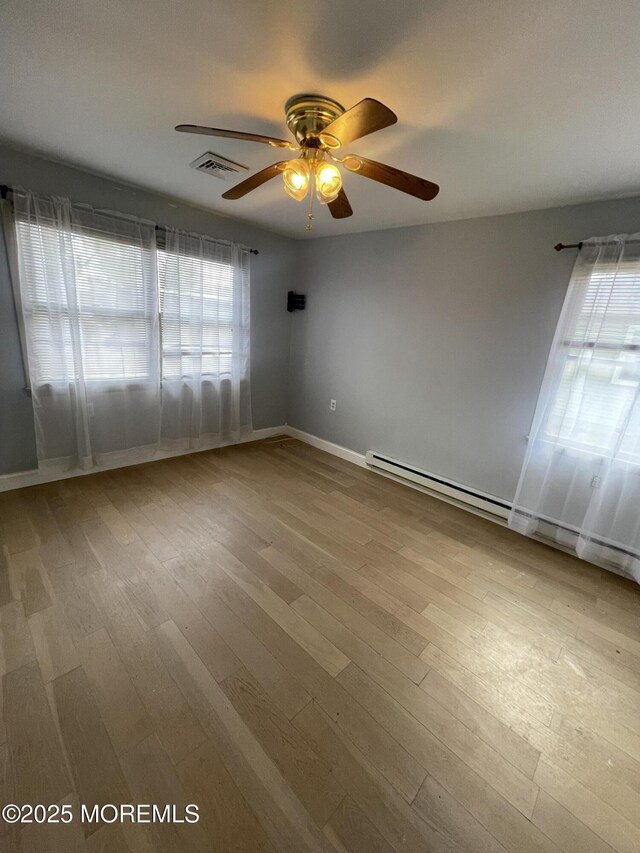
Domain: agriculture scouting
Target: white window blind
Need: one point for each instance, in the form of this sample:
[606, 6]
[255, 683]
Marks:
[102, 328]
[600, 379]
[196, 304]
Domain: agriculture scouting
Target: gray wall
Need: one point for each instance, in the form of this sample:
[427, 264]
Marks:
[272, 275]
[433, 339]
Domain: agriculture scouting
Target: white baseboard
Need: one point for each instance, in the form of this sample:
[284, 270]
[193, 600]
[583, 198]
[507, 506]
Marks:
[22, 479]
[328, 446]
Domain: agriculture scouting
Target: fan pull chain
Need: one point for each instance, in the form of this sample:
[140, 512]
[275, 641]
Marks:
[310, 215]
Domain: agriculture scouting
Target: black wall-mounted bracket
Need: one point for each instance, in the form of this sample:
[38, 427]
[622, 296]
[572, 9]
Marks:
[296, 301]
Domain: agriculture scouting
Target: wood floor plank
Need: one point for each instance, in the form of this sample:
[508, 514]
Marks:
[55, 649]
[9, 832]
[152, 536]
[327, 655]
[308, 776]
[231, 824]
[268, 574]
[487, 726]
[18, 535]
[117, 614]
[253, 771]
[39, 767]
[38, 837]
[28, 575]
[372, 603]
[109, 838]
[594, 759]
[3, 728]
[217, 656]
[6, 592]
[604, 821]
[73, 593]
[350, 829]
[16, 645]
[96, 772]
[480, 755]
[350, 554]
[120, 706]
[438, 807]
[569, 833]
[595, 762]
[423, 577]
[385, 645]
[381, 747]
[81, 554]
[175, 723]
[499, 693]
[120, 528]
[286, 692]
[394, 819]
[152, 779]
[364, 654]
[492, 811]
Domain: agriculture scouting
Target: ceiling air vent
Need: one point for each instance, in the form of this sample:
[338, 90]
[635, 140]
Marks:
[217, 166]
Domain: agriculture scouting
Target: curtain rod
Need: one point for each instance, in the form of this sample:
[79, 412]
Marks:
[5, 190]
[560, 246]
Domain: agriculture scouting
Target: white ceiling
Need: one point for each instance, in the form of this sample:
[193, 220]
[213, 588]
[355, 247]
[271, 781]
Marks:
[507, 104]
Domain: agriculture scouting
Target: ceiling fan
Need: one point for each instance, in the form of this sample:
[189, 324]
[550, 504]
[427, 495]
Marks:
[321, 126]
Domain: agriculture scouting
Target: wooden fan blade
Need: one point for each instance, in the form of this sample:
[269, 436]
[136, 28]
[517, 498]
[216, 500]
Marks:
[392, 177]
[366, 117]
[254, 181]
[340, 207]
[234, 134]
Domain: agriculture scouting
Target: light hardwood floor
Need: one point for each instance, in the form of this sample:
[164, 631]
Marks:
[319, 658]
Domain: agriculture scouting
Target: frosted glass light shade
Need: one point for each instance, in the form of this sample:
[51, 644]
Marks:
[328, 182]
[296, 177]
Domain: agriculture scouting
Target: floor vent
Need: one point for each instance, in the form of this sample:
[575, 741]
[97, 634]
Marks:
[446, 489]
[217, 166]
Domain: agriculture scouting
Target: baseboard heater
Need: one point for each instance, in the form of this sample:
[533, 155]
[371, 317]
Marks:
[448, 490]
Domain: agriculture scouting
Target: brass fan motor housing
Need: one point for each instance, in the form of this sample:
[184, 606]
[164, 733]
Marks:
[308, 115]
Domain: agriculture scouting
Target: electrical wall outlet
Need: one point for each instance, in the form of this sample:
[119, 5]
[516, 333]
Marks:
[332, 405]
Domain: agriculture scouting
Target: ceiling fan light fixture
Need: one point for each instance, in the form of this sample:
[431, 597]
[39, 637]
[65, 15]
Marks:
[320, 126]
[296, 177]
[328, 182]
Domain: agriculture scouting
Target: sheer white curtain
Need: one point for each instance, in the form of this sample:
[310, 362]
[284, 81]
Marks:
[88, 284]
[580, 484]
[204, 301]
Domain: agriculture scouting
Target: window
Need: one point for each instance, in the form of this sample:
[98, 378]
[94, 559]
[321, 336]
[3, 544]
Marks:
[102, 328]
[196, 305]
[600, 378]
[132, 346]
